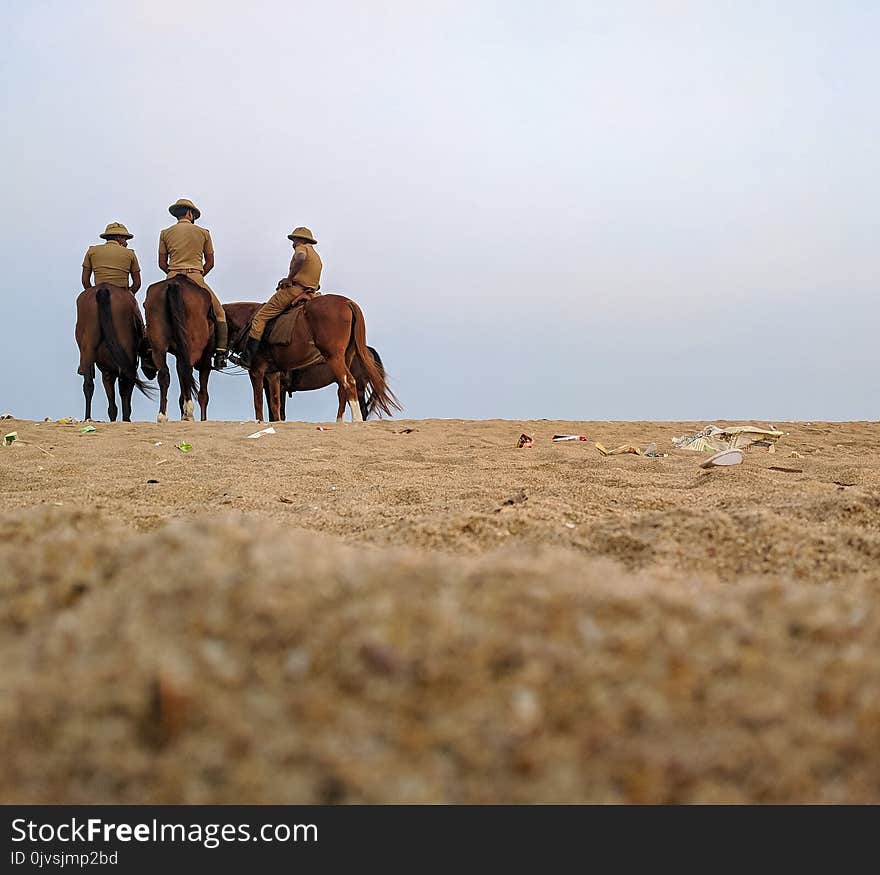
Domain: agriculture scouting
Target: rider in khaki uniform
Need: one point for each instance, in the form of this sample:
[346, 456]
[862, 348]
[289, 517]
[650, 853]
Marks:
[302, 281]
[112, 262]
[186, 249]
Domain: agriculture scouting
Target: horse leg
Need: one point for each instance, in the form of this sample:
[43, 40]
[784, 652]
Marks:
[126, 387]
[161, 363]
[187, 408]
[275, 397]
[257, 374]
[362, 399]
[282, 405]
[347, 388]
[88, 374]
[204, 373]
[110, 388]
[340, 411]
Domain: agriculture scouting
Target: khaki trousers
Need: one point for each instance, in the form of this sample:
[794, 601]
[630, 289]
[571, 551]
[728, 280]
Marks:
[278, 303]
[196, 277]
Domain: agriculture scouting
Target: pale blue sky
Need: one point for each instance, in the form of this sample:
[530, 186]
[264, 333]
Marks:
[578, 210]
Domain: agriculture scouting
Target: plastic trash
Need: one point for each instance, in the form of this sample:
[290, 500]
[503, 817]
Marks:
[67, 420]
[619, 451]
[10, 439]
[184, 447]
[88, 429]
[7, 416]
[319, 428]
[569, 437]
[524, 442]
[260, 433]
[725, 457]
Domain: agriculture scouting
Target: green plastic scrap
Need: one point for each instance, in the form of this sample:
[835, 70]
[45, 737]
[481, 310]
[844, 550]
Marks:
[89, 429]
[10, 439]
[184, 448]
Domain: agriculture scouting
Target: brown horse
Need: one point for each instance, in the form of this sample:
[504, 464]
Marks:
[332, 327]
[318, 377]
[110, 334]
[179, 321]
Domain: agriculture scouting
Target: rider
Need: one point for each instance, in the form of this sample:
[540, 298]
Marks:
[302, 281]
[112, 263]
[181, 249]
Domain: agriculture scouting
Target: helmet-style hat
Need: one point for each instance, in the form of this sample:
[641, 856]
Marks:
[116, 229]
[301, 234]
[179, 207]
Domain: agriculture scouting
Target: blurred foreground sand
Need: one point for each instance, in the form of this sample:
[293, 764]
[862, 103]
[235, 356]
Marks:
[357, 616]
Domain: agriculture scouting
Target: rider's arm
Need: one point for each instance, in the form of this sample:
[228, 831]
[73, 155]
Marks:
[163, 254]
[208, 252]
[87, 270]
[295, 264]
[135, 270]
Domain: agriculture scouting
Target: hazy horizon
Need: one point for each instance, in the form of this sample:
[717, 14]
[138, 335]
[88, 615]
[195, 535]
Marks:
[651, 211]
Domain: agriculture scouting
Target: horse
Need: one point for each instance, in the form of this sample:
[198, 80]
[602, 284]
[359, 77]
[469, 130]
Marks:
[110, 334]
[317, 377]
[329, 327]
[179, 321]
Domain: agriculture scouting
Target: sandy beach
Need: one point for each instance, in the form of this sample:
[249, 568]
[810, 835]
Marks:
[418, 611]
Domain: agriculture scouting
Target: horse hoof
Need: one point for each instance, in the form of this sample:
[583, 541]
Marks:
[161, 418]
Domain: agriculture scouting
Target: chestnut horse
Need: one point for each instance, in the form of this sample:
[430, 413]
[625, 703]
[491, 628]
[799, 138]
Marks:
[317, 377]
[331, 327]
[179, 321]
[110, 334]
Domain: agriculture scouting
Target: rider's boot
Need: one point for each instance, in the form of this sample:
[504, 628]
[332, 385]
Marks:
[246, 358]
[222, 338]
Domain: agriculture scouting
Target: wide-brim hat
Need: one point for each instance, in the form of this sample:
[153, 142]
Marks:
[115, 229]
[182, 205]
[301, 234]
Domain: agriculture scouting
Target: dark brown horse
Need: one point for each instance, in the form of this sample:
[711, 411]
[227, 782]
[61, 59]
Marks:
[179, 321]
[332, 327]
[318, 377]
[110, 334]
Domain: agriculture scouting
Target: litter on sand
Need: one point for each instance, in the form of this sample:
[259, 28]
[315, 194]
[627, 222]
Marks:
[622, 450]
[7, 416]
[714, 438]
[10, 439]
[569, 437]
[319, 428]
[650, 452]
[263, 431]
[67, 420]
[723, 458]
[88, 429]
[184, 447]
[524, 442]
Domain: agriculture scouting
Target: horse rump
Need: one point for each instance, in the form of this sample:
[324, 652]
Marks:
[125, 362]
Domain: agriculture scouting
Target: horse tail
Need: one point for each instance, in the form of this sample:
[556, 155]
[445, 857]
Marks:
[370, 399]
[382, 399]
[180, 335]
[126, 365]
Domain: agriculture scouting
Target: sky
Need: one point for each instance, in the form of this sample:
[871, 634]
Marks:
[574, 210]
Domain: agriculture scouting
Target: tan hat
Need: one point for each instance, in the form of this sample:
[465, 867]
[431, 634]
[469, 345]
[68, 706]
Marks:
[301, 234]
[181, 206]
[115, 229]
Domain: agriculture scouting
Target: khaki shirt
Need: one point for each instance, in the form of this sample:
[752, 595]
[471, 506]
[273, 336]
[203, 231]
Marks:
[111, 263]
[309, 274]
[185, 244]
